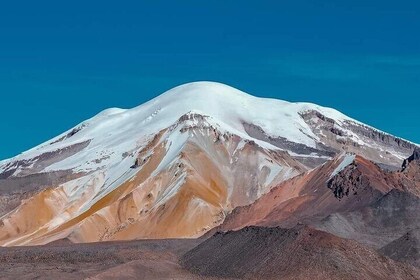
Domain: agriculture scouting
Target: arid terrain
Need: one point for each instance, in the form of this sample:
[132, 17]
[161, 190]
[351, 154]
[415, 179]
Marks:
[250, 253]
[208, 182]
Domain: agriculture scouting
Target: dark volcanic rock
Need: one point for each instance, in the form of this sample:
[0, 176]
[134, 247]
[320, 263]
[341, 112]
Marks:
[298, 253]
[350, 181]
[281, 142]
[73, 132]
[414, 157]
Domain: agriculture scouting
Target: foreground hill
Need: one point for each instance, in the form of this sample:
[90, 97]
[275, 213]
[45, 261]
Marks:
[298, 253]
[250, 253]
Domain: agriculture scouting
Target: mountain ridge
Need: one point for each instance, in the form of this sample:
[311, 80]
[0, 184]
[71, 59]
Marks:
[196, 86]
[125, 171]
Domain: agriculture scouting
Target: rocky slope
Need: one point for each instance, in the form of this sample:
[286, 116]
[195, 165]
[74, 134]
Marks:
[250, 253]
[298, 253]
[350, 197]
[405, 249]
[174, 166]
[172, 189]
[388, 218]
[151, 259]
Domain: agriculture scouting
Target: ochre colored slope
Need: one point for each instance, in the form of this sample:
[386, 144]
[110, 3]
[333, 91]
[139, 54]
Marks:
[182, 196]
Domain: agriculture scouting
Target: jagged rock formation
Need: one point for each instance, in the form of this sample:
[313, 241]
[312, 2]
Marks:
[350, 197]
[414, 157]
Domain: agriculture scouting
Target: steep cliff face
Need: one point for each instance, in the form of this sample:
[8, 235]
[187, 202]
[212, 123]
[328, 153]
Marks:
[414, 157]
[352, 136]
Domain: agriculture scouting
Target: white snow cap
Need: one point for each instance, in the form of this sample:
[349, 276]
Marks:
[115, 131]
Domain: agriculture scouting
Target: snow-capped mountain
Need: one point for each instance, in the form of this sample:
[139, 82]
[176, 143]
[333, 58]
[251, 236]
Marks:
[174, 166]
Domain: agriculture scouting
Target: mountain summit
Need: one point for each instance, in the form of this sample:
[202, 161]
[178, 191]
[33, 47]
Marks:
[174, 166]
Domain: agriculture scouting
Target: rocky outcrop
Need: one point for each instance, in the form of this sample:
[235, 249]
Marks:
[351, 136]
[379, 136]
[22, 168]
[414, 157]
[281, 142]
[349, 182]
[360, 201]
[314, 195]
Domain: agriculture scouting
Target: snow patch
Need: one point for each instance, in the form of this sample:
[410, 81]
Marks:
[346, 161]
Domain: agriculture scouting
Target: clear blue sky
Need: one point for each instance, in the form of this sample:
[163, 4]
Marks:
[62, 62]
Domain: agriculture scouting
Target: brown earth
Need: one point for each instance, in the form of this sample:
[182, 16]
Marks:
[298, 253]
[308, 196]
[388, 218]
[250, 253]
[378, 224]
[64, 260]
[405, 249]
[362, 202]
